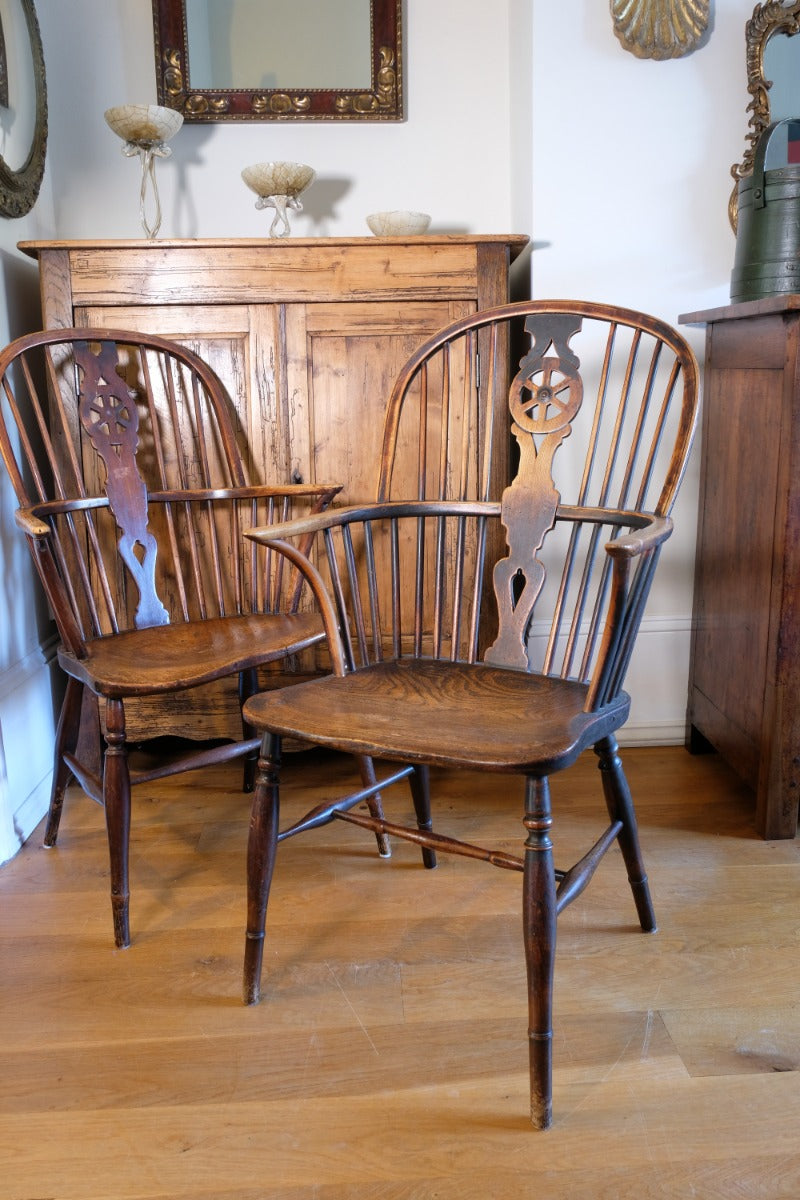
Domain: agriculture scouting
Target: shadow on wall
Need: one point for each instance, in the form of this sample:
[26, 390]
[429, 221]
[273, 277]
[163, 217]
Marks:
[21, 302]
[186, 153]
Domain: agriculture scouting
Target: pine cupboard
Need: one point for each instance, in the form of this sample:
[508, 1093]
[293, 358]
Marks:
[306, 333]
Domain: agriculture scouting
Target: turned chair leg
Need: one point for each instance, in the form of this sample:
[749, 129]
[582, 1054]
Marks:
[420, 783]
[248, 686]
[117, 802]
[262, 845]
[539, 930]
[67, 734]
[620, 808]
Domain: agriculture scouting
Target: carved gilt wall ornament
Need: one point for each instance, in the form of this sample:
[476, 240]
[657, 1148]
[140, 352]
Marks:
[776, 16]
[660, 28]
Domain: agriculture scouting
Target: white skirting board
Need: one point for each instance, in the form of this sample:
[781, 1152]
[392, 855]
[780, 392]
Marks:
[658, 683]
[27, 732]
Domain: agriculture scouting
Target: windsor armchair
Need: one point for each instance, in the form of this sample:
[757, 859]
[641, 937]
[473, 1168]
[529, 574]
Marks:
[122, 451]
[447, 654]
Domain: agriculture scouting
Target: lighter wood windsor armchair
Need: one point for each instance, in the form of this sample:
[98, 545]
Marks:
[448, 653]
[122, 451]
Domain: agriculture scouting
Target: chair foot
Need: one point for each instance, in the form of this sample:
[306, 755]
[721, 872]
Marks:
[53, 818]
[541, 1062]
[420, 782]
[644, 905]
[253, 955]
[62, 775]
[67, 734]
[120, 909]
[366, 769]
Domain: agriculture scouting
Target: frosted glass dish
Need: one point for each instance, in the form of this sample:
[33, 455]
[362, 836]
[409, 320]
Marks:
[399, 223]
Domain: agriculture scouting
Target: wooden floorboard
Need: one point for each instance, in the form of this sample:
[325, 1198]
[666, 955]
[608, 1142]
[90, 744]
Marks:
[388, 1058]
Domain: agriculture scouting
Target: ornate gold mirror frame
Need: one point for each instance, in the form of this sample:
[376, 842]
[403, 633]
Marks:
[19, 188]
[776, 16]
[382, 101]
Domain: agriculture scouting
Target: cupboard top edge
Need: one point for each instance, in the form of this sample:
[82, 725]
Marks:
[515, 242]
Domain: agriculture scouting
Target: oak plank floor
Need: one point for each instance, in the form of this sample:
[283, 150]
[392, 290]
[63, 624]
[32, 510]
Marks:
[388, 1059]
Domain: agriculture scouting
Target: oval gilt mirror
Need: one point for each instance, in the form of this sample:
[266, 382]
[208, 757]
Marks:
[23, 108]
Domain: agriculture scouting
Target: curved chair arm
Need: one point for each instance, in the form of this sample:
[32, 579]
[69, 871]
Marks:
[354, 513]
[648, 527]
[40, 538]
[31, 524]
[320, 592]
[324, 493]
[305, 528]
[648, 537]
[633, 557]
[36, 520]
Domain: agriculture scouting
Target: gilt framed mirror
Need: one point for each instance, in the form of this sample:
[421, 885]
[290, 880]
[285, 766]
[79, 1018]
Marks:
[279, 60]
[773, 78]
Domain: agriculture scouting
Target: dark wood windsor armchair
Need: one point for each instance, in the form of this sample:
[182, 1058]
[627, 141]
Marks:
[122, 451]
[455, 646]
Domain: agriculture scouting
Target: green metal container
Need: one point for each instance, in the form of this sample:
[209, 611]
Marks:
[767, 259]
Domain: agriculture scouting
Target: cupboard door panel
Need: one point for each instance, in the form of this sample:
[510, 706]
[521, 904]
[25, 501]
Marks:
[242, 345]
[352, 356]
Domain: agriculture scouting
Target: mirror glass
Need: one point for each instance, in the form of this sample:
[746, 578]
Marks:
[277, 43]
[782, 69]
[220, 60]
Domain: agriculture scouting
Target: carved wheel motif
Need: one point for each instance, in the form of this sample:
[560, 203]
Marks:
[107, 410]
[110, 417]
[550, 403]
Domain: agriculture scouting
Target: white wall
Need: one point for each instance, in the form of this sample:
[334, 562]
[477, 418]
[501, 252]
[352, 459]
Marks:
[452, 157]
[631, 179]
[523, 116]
